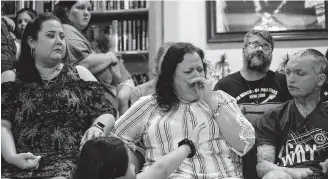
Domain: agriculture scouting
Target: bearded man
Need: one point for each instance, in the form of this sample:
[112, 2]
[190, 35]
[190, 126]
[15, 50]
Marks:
[255, 86]
[255, 83]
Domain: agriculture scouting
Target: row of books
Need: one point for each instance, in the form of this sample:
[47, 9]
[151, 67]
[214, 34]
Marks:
[128, 35]
[103, 5]
[12, 7]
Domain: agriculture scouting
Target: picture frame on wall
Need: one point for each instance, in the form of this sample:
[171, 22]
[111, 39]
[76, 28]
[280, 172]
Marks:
[228, 21]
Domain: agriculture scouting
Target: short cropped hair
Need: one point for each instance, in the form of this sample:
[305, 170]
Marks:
[320, 61]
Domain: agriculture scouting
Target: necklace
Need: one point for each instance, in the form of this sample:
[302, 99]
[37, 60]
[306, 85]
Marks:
[47, 79]
[257, 94]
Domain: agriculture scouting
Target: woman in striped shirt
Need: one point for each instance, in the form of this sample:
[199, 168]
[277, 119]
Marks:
[184, 99]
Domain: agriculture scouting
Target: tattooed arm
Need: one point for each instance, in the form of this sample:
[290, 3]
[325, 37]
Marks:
[265, 163]
[266, 155]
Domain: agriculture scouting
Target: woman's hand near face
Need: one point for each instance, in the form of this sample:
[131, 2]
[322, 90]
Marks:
[203, 88]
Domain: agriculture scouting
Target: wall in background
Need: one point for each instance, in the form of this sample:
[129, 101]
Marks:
[186, 21]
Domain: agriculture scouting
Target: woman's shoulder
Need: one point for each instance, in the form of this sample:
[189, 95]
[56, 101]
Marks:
[9, 75]
[146, 100]
[71, 32]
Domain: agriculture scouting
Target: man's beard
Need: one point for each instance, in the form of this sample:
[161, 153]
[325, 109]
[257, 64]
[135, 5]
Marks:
[260, 64]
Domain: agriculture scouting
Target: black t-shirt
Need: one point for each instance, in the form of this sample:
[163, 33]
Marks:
[271, 88]
[300, 142]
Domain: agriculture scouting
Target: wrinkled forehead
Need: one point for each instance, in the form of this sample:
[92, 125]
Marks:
[305, 63]
[256, 38]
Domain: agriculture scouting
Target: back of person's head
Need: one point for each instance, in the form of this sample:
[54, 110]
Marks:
[32, 13]
[61, 10]
[159, 57]
[102, 158]
[26, 70]
[165, 92]
[262, 33]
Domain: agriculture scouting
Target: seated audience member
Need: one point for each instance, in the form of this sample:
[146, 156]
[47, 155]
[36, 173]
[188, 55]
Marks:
[8, 47]
[76, 15]
[148, 88]
[23, 17]
[324, 89]
[50, 109]
[292, 138]
[183, 99]
[108, 157]
[255, 83]
[255, 87]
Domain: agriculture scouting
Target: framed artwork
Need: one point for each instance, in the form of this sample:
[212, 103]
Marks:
[228, 21]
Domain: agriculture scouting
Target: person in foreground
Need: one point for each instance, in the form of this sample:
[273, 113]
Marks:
[108, 157]
[48, 109]
[292, 138]
[183, 100]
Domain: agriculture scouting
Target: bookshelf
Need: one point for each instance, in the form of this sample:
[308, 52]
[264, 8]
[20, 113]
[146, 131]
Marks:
[126, 14]
[126, 23]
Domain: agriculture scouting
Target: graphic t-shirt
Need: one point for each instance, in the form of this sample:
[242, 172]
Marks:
[271, 88]
[257, 94]
[300, 142]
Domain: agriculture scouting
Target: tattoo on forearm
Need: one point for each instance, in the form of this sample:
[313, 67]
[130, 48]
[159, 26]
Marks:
[266, 152]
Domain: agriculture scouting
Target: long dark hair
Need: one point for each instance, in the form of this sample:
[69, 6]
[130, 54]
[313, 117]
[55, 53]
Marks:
[102, 158]
[32, 13]
[26, 70]
[165, 92]
[61, 10]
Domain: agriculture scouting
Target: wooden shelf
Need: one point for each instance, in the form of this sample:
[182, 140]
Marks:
[139, 52]
[124, 14]
[135, 56]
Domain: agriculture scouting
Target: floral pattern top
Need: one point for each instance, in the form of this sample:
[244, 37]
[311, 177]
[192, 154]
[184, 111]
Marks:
[49, 120]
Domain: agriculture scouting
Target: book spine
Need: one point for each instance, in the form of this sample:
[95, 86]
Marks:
[130, 35]
[134, 35]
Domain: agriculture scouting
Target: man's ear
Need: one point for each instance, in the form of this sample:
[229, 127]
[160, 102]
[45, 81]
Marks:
[243, 50]
[322, 78]
[31, 42]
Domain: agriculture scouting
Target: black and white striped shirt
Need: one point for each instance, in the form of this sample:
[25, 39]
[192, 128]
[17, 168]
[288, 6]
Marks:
[160, 134]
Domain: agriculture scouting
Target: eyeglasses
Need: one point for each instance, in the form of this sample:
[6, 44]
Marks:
[265, 47]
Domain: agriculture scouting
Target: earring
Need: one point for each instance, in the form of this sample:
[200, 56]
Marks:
[32, 52]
